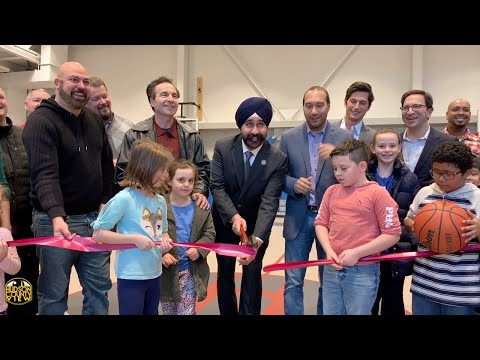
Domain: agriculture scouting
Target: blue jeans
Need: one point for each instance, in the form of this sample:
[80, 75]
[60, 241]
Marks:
[350, 291]
[93, 269]
[299, 249]
[423, 306]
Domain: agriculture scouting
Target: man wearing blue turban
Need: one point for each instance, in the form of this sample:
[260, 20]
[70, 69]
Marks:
[246, 183]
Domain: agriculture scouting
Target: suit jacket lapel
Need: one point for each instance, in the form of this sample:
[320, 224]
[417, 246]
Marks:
[303, 139]
[328, 138]
[238, 163]
[427, 149]
[363, 133]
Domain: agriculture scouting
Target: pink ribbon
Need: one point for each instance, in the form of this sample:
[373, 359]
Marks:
[365, 260]
[87, 244]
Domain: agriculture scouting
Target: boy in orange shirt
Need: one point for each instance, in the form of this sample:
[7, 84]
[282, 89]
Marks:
[357, 218]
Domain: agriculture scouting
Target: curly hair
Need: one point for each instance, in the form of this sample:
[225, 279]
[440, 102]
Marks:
[455, 153]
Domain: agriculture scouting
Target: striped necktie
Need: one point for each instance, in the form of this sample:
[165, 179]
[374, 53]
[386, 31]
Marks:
[248, 167]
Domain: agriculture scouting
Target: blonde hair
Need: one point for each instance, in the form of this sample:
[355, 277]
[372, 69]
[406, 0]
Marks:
[146, 159]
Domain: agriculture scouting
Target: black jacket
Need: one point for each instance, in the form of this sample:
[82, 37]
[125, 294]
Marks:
[405, 187]
[70, 160]
[424, 163]
[16, 171]
[191, 148]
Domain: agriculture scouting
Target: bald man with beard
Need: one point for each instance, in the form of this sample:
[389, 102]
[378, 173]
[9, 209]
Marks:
[71, 169]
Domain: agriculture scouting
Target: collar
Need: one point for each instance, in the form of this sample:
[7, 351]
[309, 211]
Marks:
[467, 136]
[254, 151]
[424, 137]
[357, 127]
[309, 131]
[5, 130]
[172, 131]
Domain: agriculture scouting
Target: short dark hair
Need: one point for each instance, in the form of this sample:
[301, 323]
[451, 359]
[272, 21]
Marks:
[153, 84]
[360, 86]
[356, 150]
[456, 153]
[426, 95]
[317, 88]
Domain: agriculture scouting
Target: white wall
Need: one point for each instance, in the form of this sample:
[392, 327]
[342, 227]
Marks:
[15, 86]
[127, 70]
[282, 73]
[285, 72]
[452, 72]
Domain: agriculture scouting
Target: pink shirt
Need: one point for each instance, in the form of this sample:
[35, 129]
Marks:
[355, 216]
[10, 265]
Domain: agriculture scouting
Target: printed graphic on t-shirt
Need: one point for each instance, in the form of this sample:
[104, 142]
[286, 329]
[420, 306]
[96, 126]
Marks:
[388, 217]
[152, 222]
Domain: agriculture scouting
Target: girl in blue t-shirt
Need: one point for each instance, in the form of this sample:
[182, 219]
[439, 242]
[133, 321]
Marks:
[139, 214]
[186, 272]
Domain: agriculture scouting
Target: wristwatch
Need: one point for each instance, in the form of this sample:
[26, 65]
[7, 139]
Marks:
[257, 243]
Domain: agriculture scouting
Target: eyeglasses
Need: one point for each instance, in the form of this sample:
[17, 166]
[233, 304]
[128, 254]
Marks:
[415, 107]
[446, 175]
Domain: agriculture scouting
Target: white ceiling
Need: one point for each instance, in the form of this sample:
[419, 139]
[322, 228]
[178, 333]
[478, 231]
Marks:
[15, 58]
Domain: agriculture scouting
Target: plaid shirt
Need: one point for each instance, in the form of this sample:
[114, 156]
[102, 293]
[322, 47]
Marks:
[471, 140]
[116, 129]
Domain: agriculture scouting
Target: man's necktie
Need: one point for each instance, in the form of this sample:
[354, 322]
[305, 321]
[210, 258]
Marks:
[248, 167]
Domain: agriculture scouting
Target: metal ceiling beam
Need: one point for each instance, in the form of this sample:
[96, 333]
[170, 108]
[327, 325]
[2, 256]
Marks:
[252, 80]
[328, 77]
[9, 58]
[29, 55]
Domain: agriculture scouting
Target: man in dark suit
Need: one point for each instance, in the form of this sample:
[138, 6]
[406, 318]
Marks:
[420, 139]
[246, 182]
[310, 173]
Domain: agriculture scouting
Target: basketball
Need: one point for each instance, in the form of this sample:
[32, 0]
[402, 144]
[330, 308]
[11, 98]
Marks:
[438, 226]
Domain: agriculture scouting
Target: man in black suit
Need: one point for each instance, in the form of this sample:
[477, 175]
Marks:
[420, 139]
[246, 182]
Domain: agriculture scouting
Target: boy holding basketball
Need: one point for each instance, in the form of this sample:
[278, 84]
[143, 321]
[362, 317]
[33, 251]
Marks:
[448, 284]
[357, 218]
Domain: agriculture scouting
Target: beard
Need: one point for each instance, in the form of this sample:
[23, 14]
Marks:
[105, 115]
[253, 141]
[70, 99]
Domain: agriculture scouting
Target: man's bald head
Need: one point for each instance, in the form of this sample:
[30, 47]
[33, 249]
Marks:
[70, 67]
[72, 87]
[34, 98]
[458, 116]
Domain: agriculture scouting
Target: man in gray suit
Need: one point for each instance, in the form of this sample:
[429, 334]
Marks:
[246, 183]
[309, 174]
[358, 100]
[420, 139]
